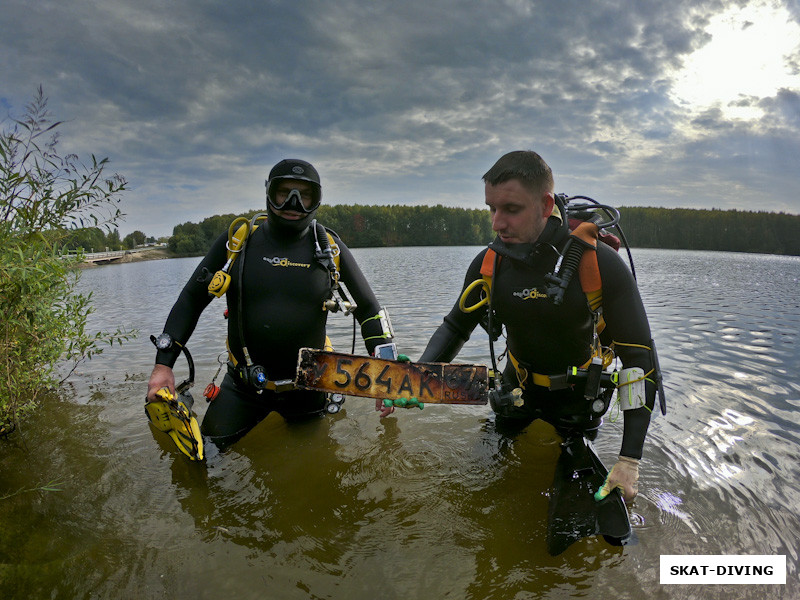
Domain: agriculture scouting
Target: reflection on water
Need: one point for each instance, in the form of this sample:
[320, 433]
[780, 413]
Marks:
[427, 504]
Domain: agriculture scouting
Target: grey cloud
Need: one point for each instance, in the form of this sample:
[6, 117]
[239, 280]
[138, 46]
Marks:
[393, 101]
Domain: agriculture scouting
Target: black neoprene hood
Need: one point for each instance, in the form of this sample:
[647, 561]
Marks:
[294, 168]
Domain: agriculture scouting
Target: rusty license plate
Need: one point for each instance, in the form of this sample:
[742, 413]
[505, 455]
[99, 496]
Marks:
[368, 377]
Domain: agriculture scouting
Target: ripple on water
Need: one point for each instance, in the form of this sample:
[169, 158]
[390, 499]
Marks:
[426, 504]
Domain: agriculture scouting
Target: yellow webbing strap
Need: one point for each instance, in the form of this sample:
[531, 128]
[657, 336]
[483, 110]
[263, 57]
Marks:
[544, 380]
[231, 357]
[642, 346]
[523, 374]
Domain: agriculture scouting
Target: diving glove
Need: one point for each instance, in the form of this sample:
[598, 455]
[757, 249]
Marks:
[404, 403]
[623, 475]
[172, 416]
[386, 407]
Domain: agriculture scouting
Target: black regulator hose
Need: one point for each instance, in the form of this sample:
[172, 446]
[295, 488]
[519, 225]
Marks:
[613, 215]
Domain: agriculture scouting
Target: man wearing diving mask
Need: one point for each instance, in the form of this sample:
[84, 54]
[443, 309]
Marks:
[276, 285]
[294, 194]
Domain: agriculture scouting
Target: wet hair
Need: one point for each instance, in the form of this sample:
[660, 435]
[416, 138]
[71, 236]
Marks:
[524, 165]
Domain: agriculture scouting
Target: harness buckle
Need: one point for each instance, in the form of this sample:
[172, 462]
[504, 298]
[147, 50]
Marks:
[593, 378]
[282, 385]
[559, 382]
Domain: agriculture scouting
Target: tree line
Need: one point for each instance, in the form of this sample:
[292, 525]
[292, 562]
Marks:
[364, 226]
[722, 230]
[670, 228]
[95, 239]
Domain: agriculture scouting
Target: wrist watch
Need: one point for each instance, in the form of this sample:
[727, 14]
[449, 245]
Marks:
[163, 341]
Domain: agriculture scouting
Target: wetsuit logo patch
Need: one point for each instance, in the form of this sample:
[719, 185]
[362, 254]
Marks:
[530, 294]
[277, 261]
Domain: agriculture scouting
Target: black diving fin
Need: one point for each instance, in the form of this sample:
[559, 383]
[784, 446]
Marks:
[573, 512]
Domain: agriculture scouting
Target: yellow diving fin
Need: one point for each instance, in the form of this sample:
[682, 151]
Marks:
[171, 415]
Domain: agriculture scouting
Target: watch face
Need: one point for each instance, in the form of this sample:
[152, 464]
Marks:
[163, 341]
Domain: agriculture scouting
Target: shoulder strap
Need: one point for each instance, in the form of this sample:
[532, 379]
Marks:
[326, 252]
[237, 240]
[487, 267]
[334, 249]
[239, 232]
[589, 271]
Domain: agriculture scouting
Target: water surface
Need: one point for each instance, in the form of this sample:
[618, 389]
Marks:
[425, 504]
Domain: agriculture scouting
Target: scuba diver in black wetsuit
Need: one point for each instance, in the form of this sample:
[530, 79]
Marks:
[546, 339]
[281, 275]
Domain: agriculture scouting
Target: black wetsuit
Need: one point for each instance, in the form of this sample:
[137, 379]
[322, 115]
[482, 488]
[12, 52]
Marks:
[284, 290]
[547, 339]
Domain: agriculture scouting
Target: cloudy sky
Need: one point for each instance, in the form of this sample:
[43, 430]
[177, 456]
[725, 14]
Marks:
[688, 103]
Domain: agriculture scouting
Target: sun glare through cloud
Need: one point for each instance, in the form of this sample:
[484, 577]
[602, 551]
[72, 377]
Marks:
[749, 57]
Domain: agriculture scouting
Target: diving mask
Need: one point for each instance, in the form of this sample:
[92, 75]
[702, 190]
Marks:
[298, 201]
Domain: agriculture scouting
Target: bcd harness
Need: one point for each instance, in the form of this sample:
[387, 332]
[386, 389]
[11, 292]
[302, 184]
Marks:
[326, 253]
[579, 255]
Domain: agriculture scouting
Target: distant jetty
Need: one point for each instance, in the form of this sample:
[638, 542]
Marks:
[94, 259]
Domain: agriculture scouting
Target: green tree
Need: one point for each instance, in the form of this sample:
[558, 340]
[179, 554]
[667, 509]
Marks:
[700, 229]
[86, 239]
[44, 197]
[137, 238]
[112, 240]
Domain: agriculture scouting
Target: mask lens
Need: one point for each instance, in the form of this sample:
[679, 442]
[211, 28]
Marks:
[294, 200]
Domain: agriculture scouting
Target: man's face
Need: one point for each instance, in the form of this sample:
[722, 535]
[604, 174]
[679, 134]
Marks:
[282, 190]
[518, 215]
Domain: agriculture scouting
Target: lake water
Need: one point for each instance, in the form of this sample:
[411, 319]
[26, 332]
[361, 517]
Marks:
[425, 504]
